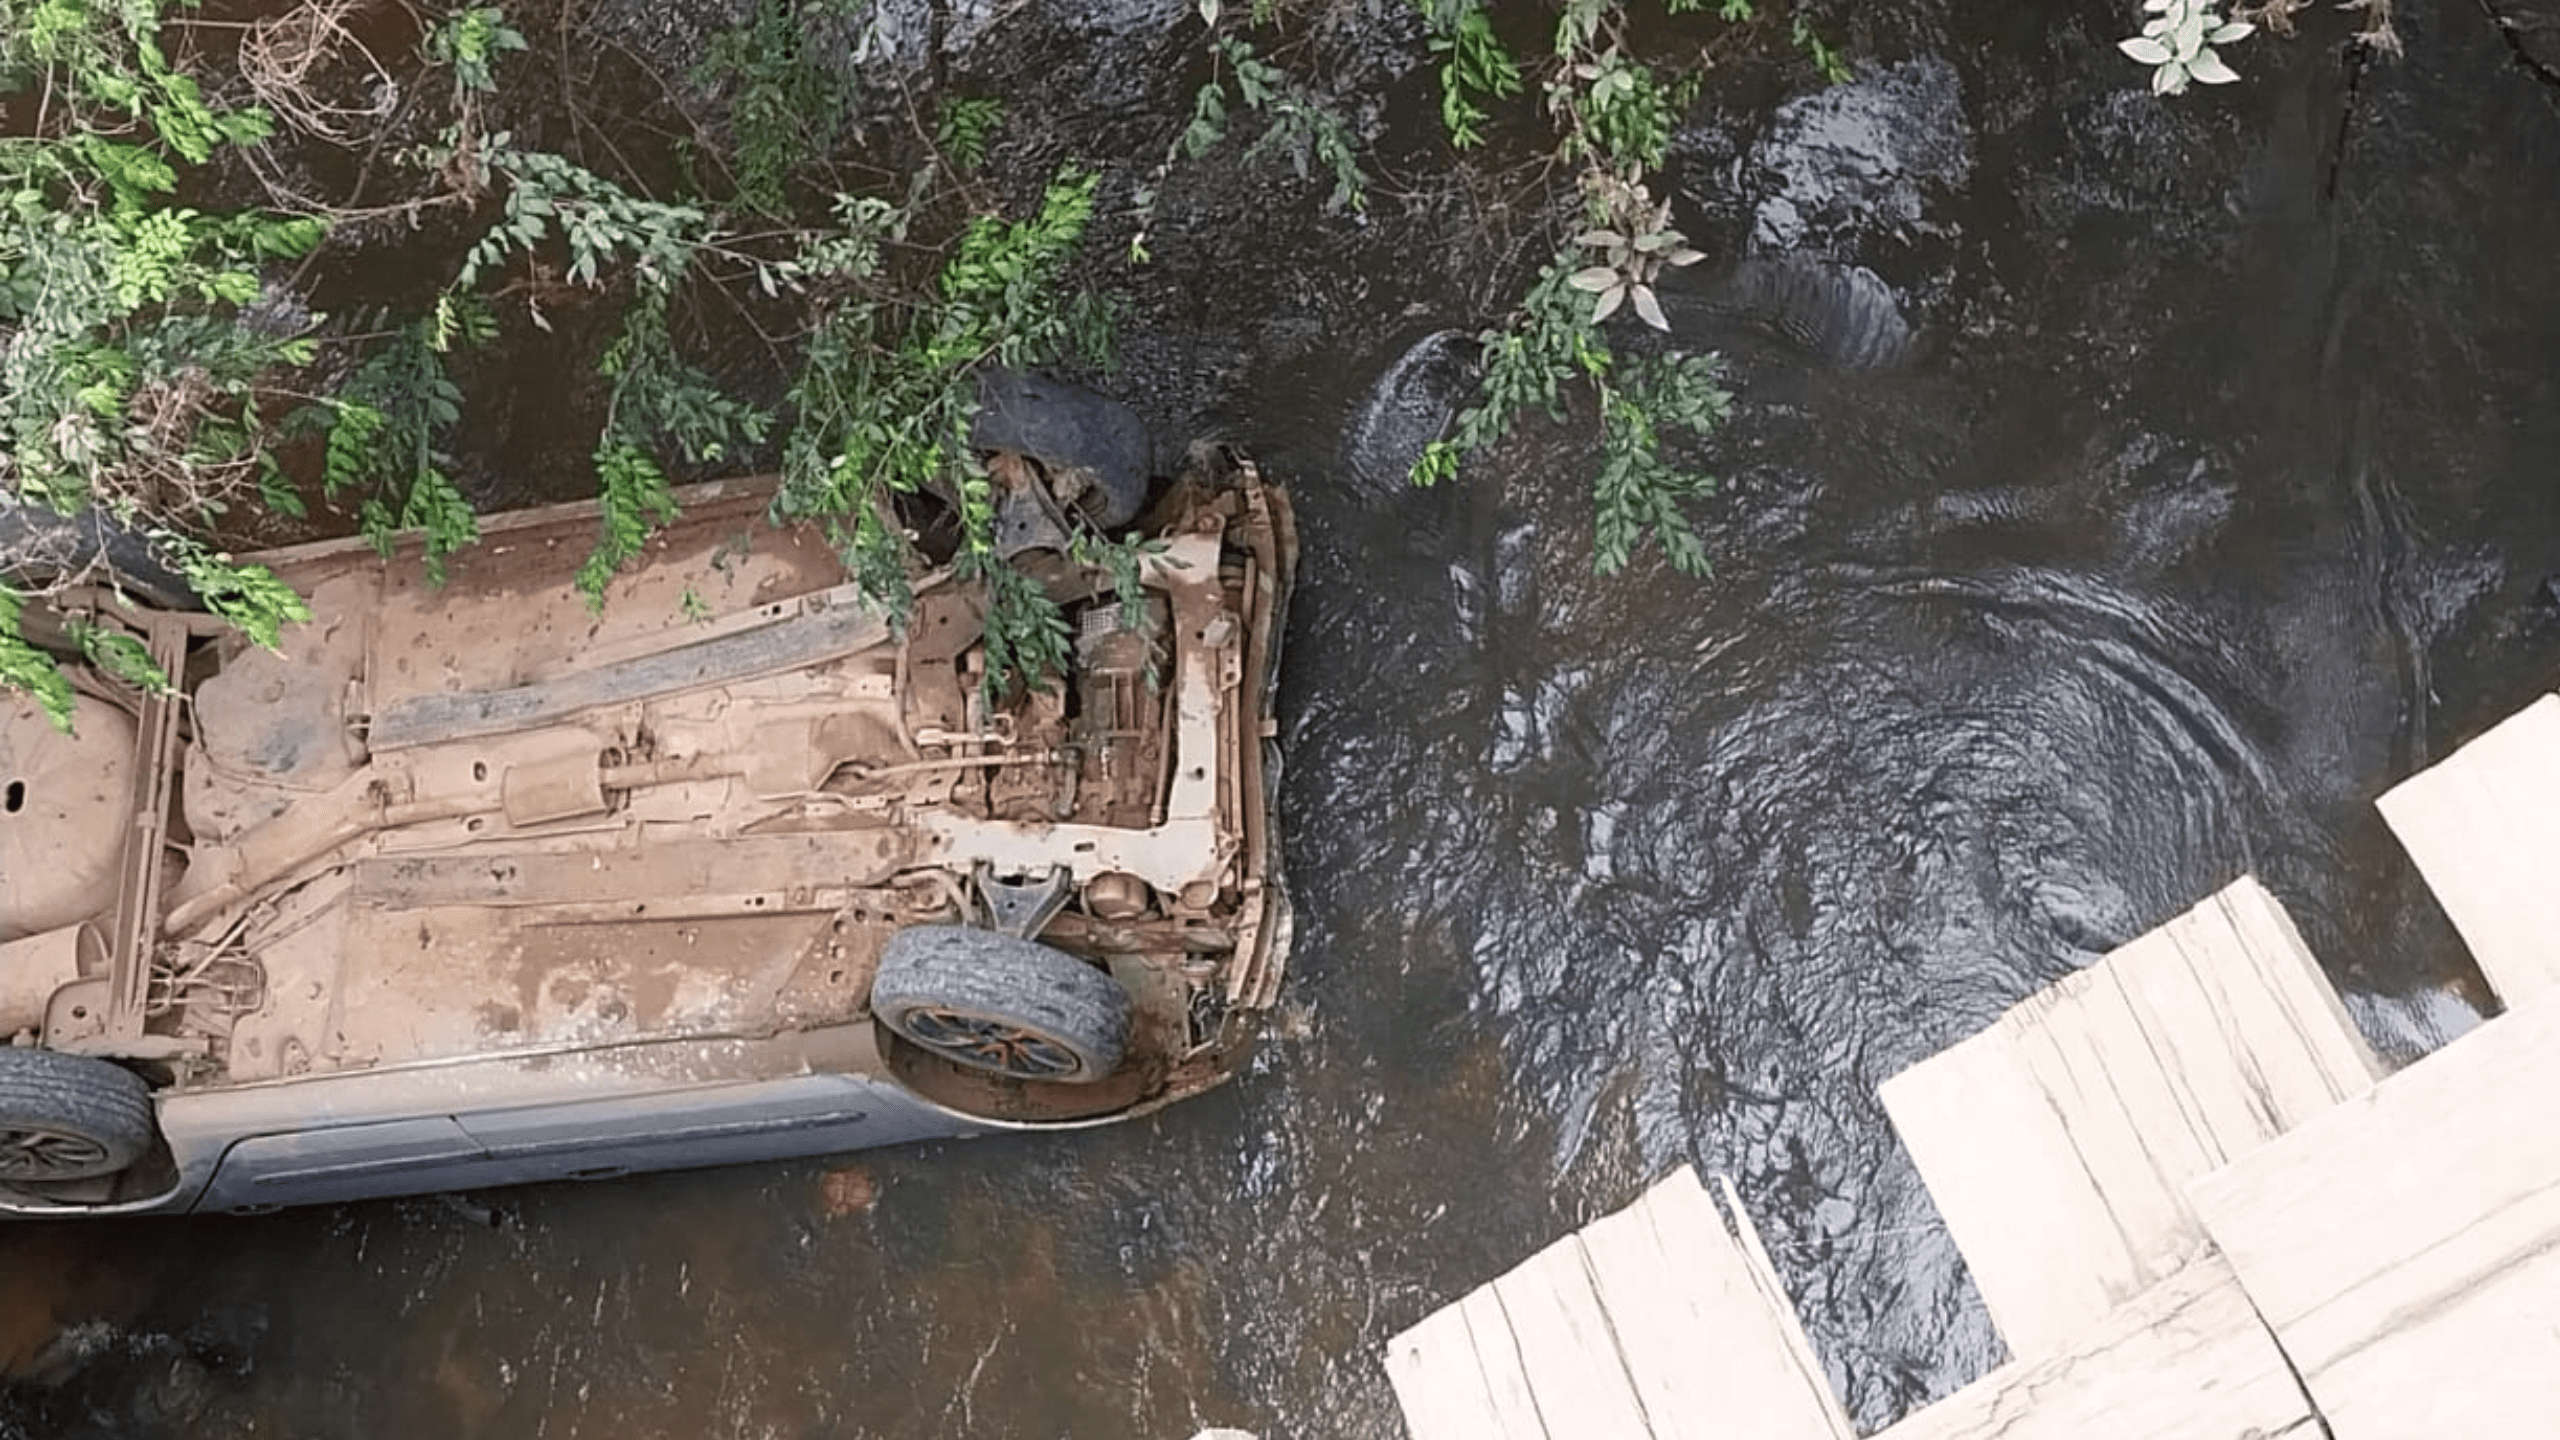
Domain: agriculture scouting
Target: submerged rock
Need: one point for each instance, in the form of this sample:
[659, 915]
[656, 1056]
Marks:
[1857, 162]
[1412, 403]
[1842, 315]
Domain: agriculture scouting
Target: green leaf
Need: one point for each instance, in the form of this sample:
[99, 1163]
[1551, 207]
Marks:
[120, 655]
[25, 668]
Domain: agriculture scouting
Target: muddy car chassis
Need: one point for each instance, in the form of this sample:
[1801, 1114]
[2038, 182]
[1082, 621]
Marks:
[469, 885]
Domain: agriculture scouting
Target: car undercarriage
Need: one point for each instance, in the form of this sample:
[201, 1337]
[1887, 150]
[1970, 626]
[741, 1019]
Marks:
[477, 849]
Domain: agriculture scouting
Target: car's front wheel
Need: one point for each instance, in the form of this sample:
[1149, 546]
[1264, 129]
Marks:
[69, 1117]
[997, 1003]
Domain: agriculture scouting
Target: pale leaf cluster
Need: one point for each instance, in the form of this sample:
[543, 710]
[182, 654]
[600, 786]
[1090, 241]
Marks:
[1633, 249]
[2178, 42]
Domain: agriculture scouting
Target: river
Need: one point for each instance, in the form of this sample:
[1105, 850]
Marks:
[2123, 493]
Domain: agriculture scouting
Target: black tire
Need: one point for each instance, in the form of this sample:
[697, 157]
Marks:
[39, 545]
[69, 1117]
[993, 1002]
[1093, 443]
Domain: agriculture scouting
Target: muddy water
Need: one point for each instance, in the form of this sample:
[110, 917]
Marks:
[2124, 495]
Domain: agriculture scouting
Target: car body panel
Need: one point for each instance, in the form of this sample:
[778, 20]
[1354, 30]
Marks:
[473, 884]
[585, 1139]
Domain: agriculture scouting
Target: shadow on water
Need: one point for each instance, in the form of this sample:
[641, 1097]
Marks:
[2124, 494]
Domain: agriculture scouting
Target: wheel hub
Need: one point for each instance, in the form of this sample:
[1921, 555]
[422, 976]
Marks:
[991, 1043]
[28, 1153]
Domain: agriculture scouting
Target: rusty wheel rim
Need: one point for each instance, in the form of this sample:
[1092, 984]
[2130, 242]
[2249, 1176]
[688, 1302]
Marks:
[990, 1042]
[30, 1152]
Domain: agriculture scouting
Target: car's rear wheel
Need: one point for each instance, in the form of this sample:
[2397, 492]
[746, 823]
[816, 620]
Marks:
[69, 1117]
[997, 1003]
[1094, 448]
[39, 547]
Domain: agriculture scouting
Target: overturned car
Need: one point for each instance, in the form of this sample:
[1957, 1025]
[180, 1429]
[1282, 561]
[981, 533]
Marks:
[468, 885]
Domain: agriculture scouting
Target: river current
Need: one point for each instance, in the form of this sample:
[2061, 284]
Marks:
[2122, 493]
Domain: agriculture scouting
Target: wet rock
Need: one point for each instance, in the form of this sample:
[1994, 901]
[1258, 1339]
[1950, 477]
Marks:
[900, 33]
[849, 1190]
[1847, 165]
[175, 1387]
[1412, 404]
[2533, 30]
[105, 1381]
